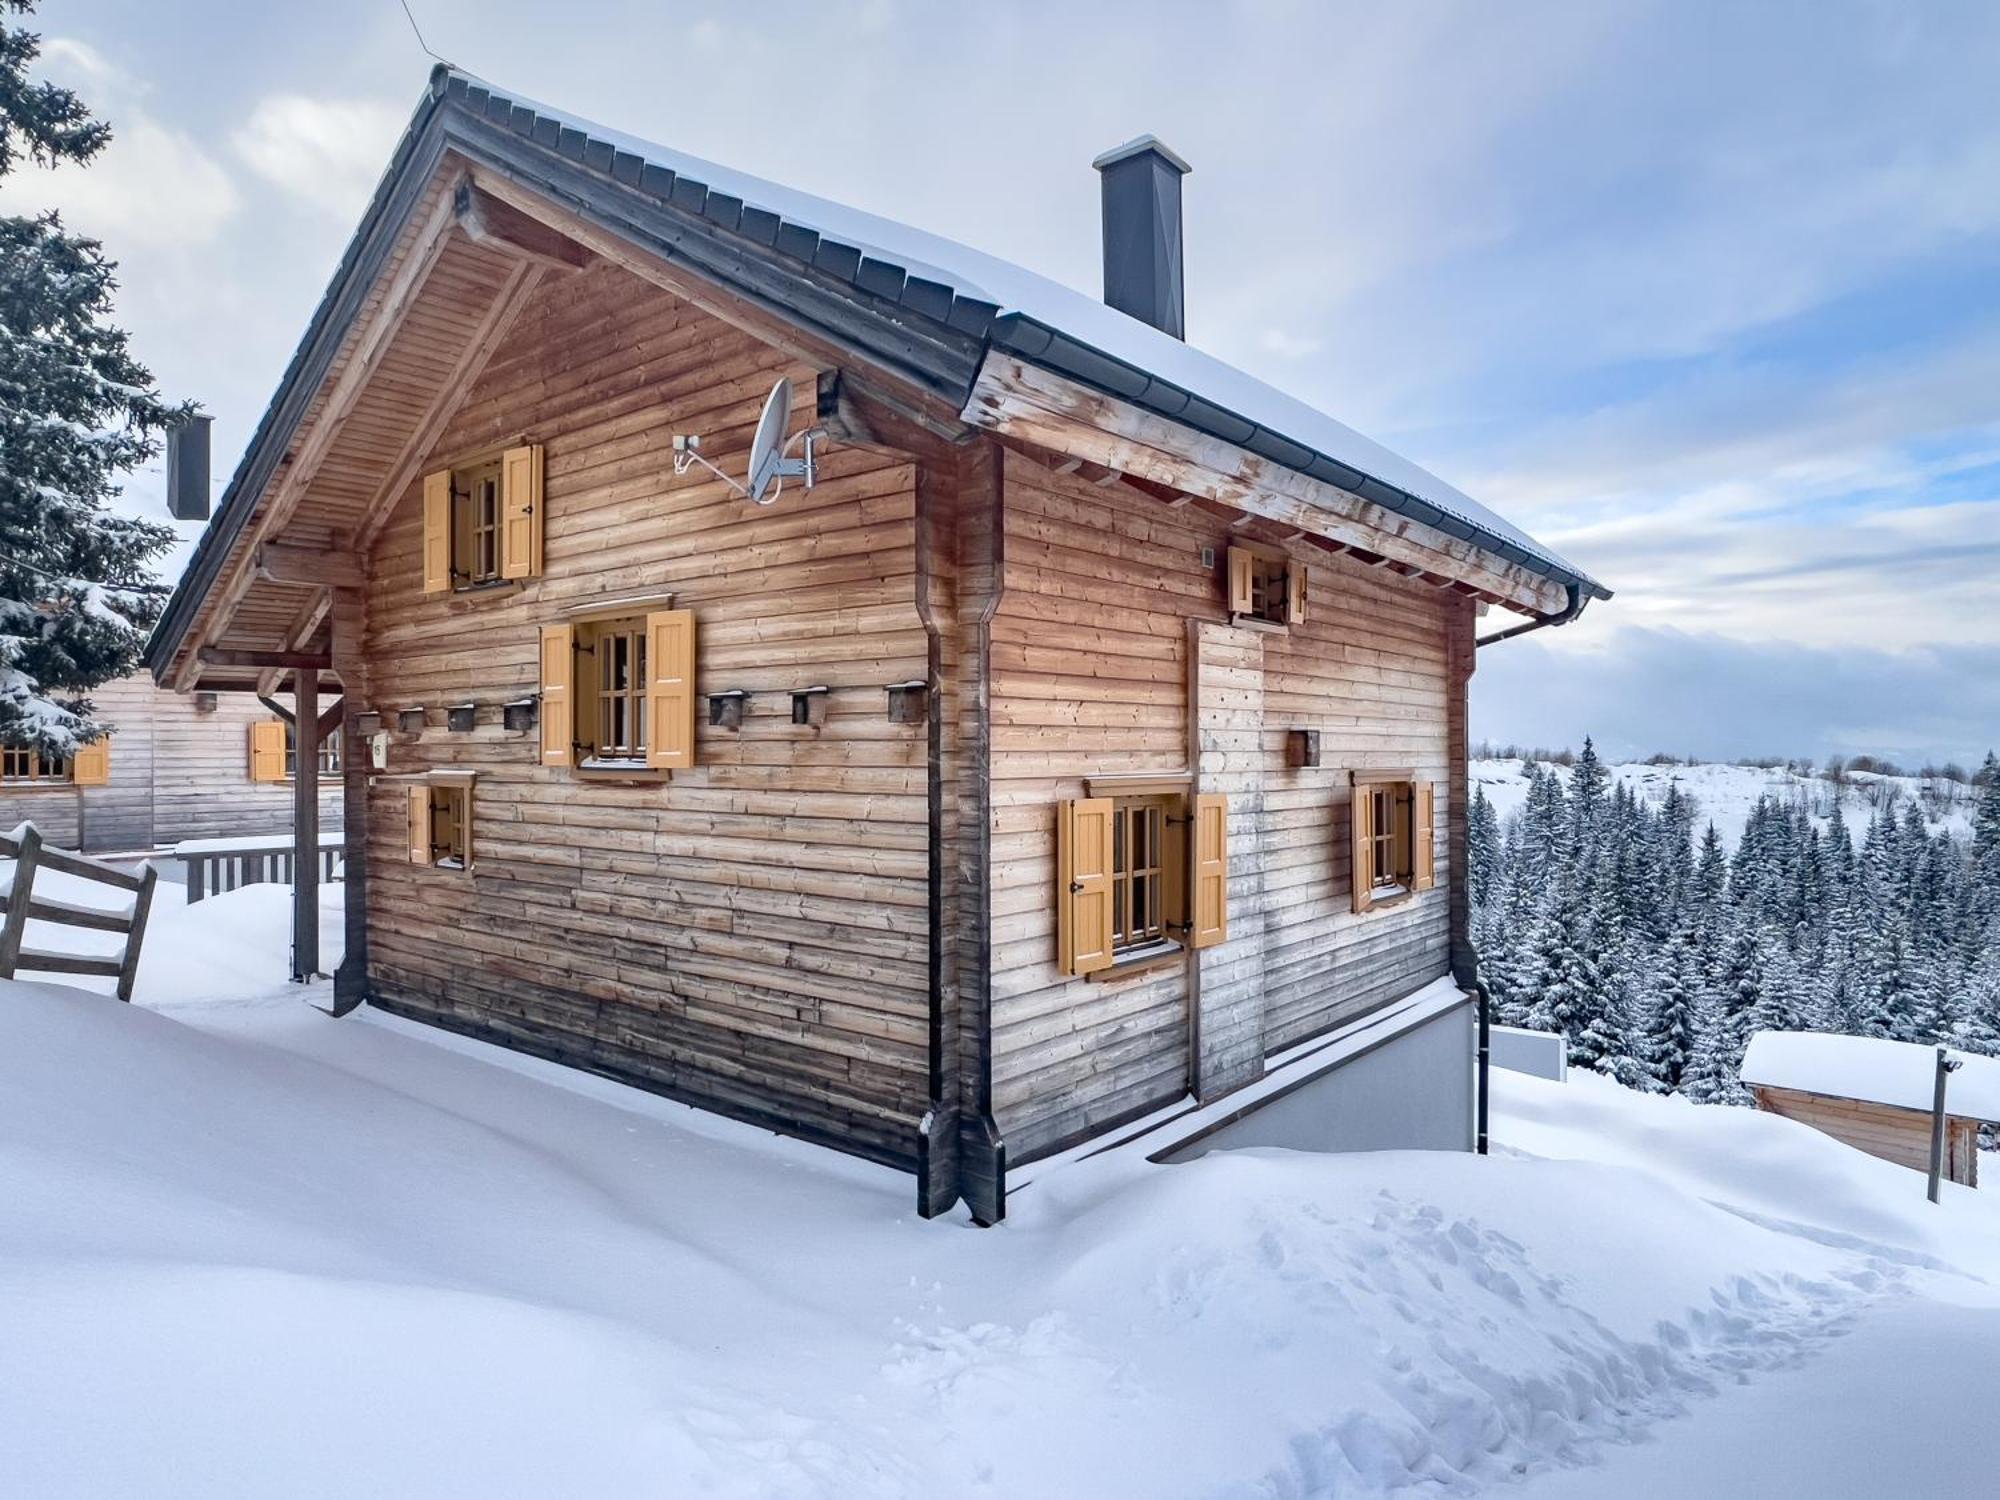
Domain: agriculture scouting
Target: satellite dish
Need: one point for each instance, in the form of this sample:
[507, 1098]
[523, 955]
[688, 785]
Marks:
[769, 468]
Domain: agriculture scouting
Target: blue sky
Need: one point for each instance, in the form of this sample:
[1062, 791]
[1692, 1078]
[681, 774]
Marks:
[1700, 294]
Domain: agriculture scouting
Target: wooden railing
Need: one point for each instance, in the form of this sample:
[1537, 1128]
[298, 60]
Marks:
[31, 856]
[225, 864]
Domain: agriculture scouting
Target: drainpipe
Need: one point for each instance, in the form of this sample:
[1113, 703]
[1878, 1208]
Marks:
[1577, 599]
[1485, 1059]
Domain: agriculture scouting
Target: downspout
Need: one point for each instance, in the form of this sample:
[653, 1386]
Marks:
[1577, 600]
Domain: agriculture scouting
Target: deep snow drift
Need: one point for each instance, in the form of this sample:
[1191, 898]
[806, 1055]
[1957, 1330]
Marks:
[250, 1250]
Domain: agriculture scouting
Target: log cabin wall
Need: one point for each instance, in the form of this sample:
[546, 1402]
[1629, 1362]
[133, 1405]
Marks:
[1108, 625]
[752, 934]
[175, 772]
[1893, 1134]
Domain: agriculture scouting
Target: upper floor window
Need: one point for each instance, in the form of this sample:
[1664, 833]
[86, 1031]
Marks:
[483, 521]
[612, 717]
[1267, 587]
[1393, 813]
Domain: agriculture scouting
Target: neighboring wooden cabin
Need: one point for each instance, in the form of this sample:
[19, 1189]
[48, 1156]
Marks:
[1875, 1095]
[175, 766]
[1007, 783]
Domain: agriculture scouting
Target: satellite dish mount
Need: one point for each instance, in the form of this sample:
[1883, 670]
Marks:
[769, 467]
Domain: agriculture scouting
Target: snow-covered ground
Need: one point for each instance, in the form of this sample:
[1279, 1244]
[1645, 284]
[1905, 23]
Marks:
[251, 1250]
[1725, 794]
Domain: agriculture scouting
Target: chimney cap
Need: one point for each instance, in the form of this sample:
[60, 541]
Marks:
[1138, 146]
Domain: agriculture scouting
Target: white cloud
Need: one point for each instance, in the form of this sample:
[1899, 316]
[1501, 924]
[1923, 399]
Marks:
[152, 187]
[328, 153]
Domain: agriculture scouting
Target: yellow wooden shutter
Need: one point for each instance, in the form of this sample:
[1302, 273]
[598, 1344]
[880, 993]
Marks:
[267, 750]
[1364, 840]
[1241, 593]
[1295, 592]
[1083, 885]
[437, 532]
[420, 824]
[670, 689]
[558, 717]
[1423, 859]
[91, 765]
[521, 512]
[1209, 911]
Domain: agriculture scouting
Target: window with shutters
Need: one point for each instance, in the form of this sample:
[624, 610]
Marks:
[1266, 588]
[618, 692]
[31, 768]
[1139, 877]
[483, 522]
[441, 824]
[1392, 838]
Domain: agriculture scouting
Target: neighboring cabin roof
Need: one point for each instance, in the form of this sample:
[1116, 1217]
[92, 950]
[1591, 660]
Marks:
[954, 300]
[1901, 1074]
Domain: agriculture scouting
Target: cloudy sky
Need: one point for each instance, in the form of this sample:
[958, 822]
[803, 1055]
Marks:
[1701, 294]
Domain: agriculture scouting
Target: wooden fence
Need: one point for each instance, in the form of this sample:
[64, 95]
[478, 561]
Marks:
[31, 856]
[210, 872]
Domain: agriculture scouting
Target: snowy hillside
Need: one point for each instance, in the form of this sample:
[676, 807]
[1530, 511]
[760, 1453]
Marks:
[306, 1257]
[1725, 794]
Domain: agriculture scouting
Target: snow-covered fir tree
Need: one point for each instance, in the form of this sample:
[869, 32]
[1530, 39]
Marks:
[1658, 952]
[76, 412]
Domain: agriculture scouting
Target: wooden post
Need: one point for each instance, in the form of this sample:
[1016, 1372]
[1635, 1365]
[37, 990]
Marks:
[135, 935]
[25, 860]
[1946, 1066]
[345, 619]
[305, 824]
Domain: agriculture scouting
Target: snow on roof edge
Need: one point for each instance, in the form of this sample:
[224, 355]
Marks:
[1875, 1069]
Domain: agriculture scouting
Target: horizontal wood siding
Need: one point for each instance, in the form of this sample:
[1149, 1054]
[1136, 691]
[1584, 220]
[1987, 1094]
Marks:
[752, 934]
[176, 773]
[1902, 1136]
[1091, 677]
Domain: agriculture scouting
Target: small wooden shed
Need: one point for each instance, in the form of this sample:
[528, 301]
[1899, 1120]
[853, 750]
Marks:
[1876, 1095]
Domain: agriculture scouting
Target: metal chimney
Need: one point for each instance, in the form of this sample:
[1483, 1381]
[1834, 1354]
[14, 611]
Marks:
[187, 469]
[1142, 233]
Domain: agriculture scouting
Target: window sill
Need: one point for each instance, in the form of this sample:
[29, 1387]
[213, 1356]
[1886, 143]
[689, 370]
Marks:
[634, 773]
[1257, 622]
[1143, 961]
[1399, 896]
[492, 586]
[8, 788]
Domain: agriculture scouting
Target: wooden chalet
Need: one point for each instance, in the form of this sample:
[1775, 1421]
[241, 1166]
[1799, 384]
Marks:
[1091, 729]
[175, 766]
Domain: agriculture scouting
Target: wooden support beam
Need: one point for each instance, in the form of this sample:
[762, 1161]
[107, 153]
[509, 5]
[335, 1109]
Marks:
[345, 621]
[297, 634]
[451, 393]
[305, 831]
[295, 661]
[427, 247]
[486, 221]
[279, 563]
[278, 708]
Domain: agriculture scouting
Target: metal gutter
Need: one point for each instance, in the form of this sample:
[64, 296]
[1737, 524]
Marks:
[1577, 600]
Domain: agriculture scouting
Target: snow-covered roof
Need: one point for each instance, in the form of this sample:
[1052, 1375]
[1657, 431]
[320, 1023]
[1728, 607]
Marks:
[1872, 1068]
[1022, 294]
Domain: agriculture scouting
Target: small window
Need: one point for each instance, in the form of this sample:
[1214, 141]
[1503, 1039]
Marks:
[1265, 587]
[611, 711]
[475, 525]
[31, 768]
[1393, 855]
[441, 824]
[329, 753]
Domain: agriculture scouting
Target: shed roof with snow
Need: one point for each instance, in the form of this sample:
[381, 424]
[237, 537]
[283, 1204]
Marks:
[1899, 1074]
